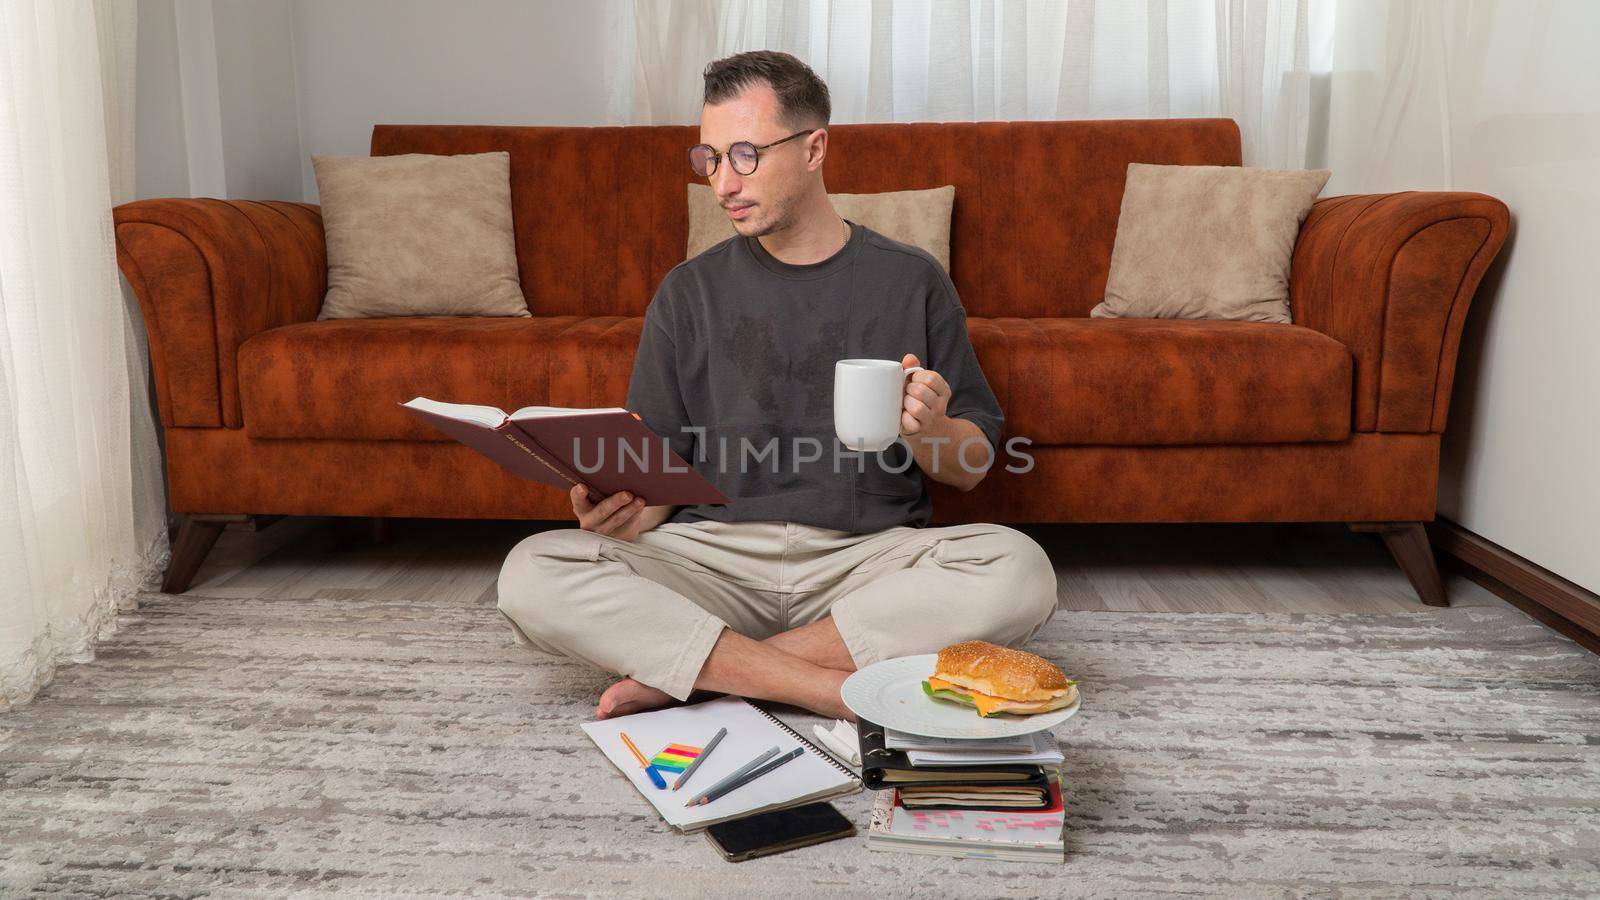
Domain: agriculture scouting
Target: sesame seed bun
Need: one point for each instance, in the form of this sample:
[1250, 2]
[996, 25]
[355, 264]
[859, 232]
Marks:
[1002, 672]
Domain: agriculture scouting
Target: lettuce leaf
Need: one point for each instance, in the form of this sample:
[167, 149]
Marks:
[944, 693]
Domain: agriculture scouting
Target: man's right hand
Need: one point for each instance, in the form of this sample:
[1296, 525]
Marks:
[619, 515]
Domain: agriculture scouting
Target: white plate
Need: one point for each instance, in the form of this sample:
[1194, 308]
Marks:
[890, 694]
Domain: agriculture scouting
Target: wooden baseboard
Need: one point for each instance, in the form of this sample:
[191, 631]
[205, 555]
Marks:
[1568, 608]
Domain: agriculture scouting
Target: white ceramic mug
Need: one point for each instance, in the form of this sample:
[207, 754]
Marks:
[868, 396]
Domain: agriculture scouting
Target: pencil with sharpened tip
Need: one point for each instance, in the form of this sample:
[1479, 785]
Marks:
[752, 776]
[699, 759]
[735, 775]
[655, 777]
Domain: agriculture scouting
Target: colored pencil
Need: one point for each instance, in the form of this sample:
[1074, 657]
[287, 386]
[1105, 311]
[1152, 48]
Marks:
[699, 759]
[655, 777]
[738, 773]
[750, 776]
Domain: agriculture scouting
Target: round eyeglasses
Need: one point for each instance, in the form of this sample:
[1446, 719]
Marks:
[743, 155]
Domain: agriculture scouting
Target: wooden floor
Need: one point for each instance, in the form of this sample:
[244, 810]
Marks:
[1319, 568]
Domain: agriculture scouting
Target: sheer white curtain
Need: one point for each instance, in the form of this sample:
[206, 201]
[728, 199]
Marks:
[81, 505]
[989, 60]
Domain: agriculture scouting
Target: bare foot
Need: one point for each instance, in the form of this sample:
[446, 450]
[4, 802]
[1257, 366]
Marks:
[628, 696]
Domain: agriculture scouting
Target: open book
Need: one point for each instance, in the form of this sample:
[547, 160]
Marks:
[609, 449]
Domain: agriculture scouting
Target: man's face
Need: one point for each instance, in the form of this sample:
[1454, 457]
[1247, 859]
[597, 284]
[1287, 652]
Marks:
[768, 199]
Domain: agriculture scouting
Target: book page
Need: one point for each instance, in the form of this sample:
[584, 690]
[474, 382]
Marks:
[534, 412]
[487, 416]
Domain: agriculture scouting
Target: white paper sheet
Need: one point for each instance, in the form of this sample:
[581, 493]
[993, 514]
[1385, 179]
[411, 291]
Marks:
[750, 733]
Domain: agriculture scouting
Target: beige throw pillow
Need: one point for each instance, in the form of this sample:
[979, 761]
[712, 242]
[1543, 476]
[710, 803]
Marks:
[918, 218]
[419, 235]
[1207, 242]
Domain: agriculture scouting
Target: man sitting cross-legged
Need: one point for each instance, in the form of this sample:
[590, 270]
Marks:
[814, 569]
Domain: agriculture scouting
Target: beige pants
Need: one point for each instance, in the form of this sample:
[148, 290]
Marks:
[653, 608]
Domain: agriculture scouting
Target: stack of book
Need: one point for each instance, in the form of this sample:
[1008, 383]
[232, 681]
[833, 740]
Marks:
[997, 798]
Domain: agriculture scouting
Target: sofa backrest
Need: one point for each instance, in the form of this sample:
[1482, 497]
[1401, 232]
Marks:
[601, 214]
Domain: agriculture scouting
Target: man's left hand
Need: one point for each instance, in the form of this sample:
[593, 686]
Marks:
[927, 397]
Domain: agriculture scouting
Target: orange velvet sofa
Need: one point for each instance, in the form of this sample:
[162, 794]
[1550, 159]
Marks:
[1336, 417]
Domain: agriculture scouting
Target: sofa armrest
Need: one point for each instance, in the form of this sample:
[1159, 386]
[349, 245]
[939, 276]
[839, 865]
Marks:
[1391, 277]
[208, 275]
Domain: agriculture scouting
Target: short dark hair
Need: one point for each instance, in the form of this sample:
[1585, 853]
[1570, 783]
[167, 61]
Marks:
[802, 96]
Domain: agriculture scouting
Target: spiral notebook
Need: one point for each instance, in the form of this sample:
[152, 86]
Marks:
[814, 775]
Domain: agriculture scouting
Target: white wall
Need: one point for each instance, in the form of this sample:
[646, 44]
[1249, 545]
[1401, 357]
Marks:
[474, 62]
[216, 108]
[1503, 98]
[161, 162]
[258, 99]
[235, 95]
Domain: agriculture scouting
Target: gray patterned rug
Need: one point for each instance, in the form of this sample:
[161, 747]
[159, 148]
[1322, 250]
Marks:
[228, 747]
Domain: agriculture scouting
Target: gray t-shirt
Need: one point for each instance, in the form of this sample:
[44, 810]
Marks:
[738, 349]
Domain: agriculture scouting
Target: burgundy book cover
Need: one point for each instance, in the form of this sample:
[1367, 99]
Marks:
[620, 452]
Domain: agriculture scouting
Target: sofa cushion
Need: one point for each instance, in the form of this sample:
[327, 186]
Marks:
[1207, 242]
[419, 235]
[344, 378]
[1162, 381]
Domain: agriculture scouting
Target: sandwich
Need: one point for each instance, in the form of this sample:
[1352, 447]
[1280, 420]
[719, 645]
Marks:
[996, 680]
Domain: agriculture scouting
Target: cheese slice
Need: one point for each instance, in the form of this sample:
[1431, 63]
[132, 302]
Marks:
[988, 704]
[985, 703]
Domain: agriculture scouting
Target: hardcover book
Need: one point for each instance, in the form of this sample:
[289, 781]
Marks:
[609, 449]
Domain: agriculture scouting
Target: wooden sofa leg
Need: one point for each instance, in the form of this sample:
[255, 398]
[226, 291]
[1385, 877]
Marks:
[196, 536]
[1408, 544]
